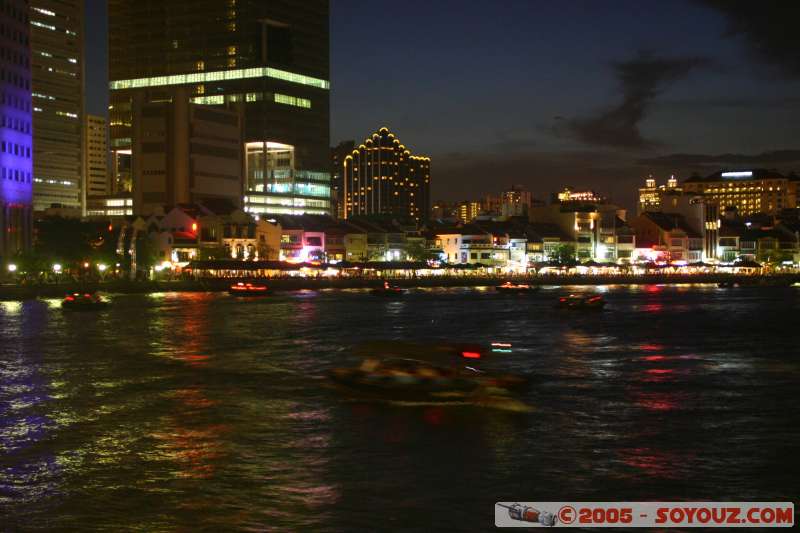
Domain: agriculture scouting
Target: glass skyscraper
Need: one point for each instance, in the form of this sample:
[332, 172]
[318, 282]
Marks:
[271, 58]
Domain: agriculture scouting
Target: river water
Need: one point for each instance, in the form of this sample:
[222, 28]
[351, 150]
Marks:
[184, 411]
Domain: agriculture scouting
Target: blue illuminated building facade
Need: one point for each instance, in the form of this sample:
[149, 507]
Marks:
[16, 160]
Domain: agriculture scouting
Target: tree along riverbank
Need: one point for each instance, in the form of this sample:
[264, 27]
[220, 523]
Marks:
[17, 292]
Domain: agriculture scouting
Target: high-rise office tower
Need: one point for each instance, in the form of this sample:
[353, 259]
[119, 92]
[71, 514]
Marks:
[381, 176]
[270, 57]
[57, 87]
[16, 165]
[185, 153]
[95, 157]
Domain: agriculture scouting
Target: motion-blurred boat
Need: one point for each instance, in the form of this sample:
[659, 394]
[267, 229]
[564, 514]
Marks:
[582, 302]
[438, 373]
[83, 301]
[509, 287]
[248, 289]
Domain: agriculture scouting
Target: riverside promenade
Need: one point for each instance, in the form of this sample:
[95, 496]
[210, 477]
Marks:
[288, 283]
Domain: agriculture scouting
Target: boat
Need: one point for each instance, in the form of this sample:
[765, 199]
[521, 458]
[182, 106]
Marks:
[404, 380]
[83, 301]
[244, 288]
[509, 287]
[429, 372]
[727, 284]
[388, 290]
[582, 301]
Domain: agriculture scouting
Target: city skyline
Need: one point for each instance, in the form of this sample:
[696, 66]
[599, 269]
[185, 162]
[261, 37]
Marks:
[647, 100]
[325, 265]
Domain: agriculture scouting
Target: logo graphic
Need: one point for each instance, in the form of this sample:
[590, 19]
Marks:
[524, 513]
[657, 514]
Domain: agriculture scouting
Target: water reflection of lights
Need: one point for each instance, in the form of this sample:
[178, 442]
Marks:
[659, 375]
[656, 463]
[657, 401]
[651, 347]
[11, 308]
[193, 449]
[184, 440]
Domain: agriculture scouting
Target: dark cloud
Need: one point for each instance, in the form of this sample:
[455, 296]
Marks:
[678, 161]
[641, 79]
[789, 102]
[769, 26]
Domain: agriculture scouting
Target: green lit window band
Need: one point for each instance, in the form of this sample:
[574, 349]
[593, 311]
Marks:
[292, 100]
[221, 75]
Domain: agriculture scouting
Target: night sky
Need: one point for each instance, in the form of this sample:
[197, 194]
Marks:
[545, 94]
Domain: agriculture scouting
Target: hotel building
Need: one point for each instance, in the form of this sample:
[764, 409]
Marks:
[381, 176]
[652, 196]
[749, 191]
[57, 86]
[271, 58]
[16, 162]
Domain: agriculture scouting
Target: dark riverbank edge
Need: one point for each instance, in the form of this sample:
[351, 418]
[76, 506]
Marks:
[14, 292]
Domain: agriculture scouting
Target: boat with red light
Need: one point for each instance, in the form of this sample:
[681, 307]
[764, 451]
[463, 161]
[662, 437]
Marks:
[388, 290]
[582, 302]
[244, 288]
[509, 287]
[83, 301]
[444, 373]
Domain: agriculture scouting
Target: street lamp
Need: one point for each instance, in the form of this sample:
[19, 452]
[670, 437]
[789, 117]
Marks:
[101, 267]
[56, 268]
[12, 267]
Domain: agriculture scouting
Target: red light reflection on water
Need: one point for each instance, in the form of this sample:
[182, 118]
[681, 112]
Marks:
[193, 397]
[658, 375]
[194, 360]
[433, 416]
[195, 448]
[656, 463]
[651, 347]
[657, 401]
[652, 308]
[192, 332]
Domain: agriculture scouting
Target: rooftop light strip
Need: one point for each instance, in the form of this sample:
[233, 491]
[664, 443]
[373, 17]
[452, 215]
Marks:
[220, 75]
